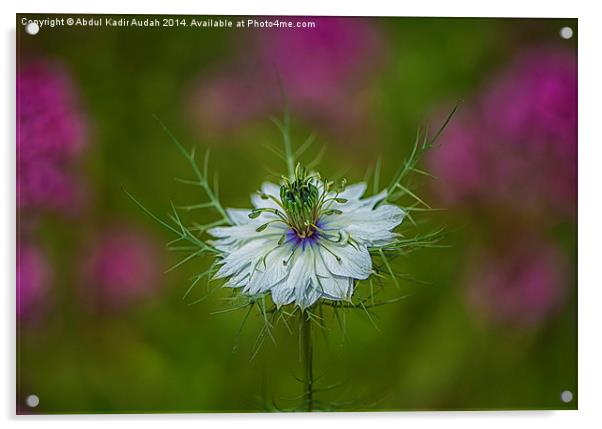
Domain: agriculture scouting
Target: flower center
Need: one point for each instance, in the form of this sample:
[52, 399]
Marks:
[300, 199]
[308, 232]
[302, 204]
[303, 238]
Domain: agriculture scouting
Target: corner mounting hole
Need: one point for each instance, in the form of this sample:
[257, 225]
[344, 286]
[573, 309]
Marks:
[32, 401]
[32, 28]
[566, 396]
[566, 32]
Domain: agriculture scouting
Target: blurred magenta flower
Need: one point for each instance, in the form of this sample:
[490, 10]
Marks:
[459, 161]
[123, 267]
[517, 145]
[535, 100]
[51, 136]
[42, 183]
[323, 71]
[519, 286]
[33, 280]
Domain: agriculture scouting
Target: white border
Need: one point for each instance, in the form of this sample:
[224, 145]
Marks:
[590, 214]
[509, 8]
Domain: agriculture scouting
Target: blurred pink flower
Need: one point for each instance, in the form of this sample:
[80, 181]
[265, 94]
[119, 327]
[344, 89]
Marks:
[532, 107]
[123, 267]
[323, 71]
[42, 183]
[459, 162]
[518, 144]
[519, 286]
[33, 280]
[51, 136]
[535, 100]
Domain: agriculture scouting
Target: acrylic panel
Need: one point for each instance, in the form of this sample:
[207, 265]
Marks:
[265, 214]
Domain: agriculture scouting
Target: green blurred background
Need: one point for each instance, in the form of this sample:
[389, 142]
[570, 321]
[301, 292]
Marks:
[161, 354]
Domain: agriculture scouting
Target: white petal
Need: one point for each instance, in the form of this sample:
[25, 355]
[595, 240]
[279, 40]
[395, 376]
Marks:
[241, 278]
[269, 270]
[249, 230]
[301, 270]
[283, 293]
[349, 261]
[309, 296]
[297, 286]
[367, 226]
[331, 286]
[241, 258]
[337, 288]
[269, 189]
[302, 274]
[353, 192]
[239, 216]
[357, 204]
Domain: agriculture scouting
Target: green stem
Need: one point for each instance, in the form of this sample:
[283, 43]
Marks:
[308, 361]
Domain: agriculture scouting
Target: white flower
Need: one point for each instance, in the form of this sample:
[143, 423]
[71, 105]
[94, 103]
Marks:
[304, 240]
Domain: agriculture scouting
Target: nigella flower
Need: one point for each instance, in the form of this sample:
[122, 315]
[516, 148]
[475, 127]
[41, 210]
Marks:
[307, 239]
[304, 240]
[307, 243]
